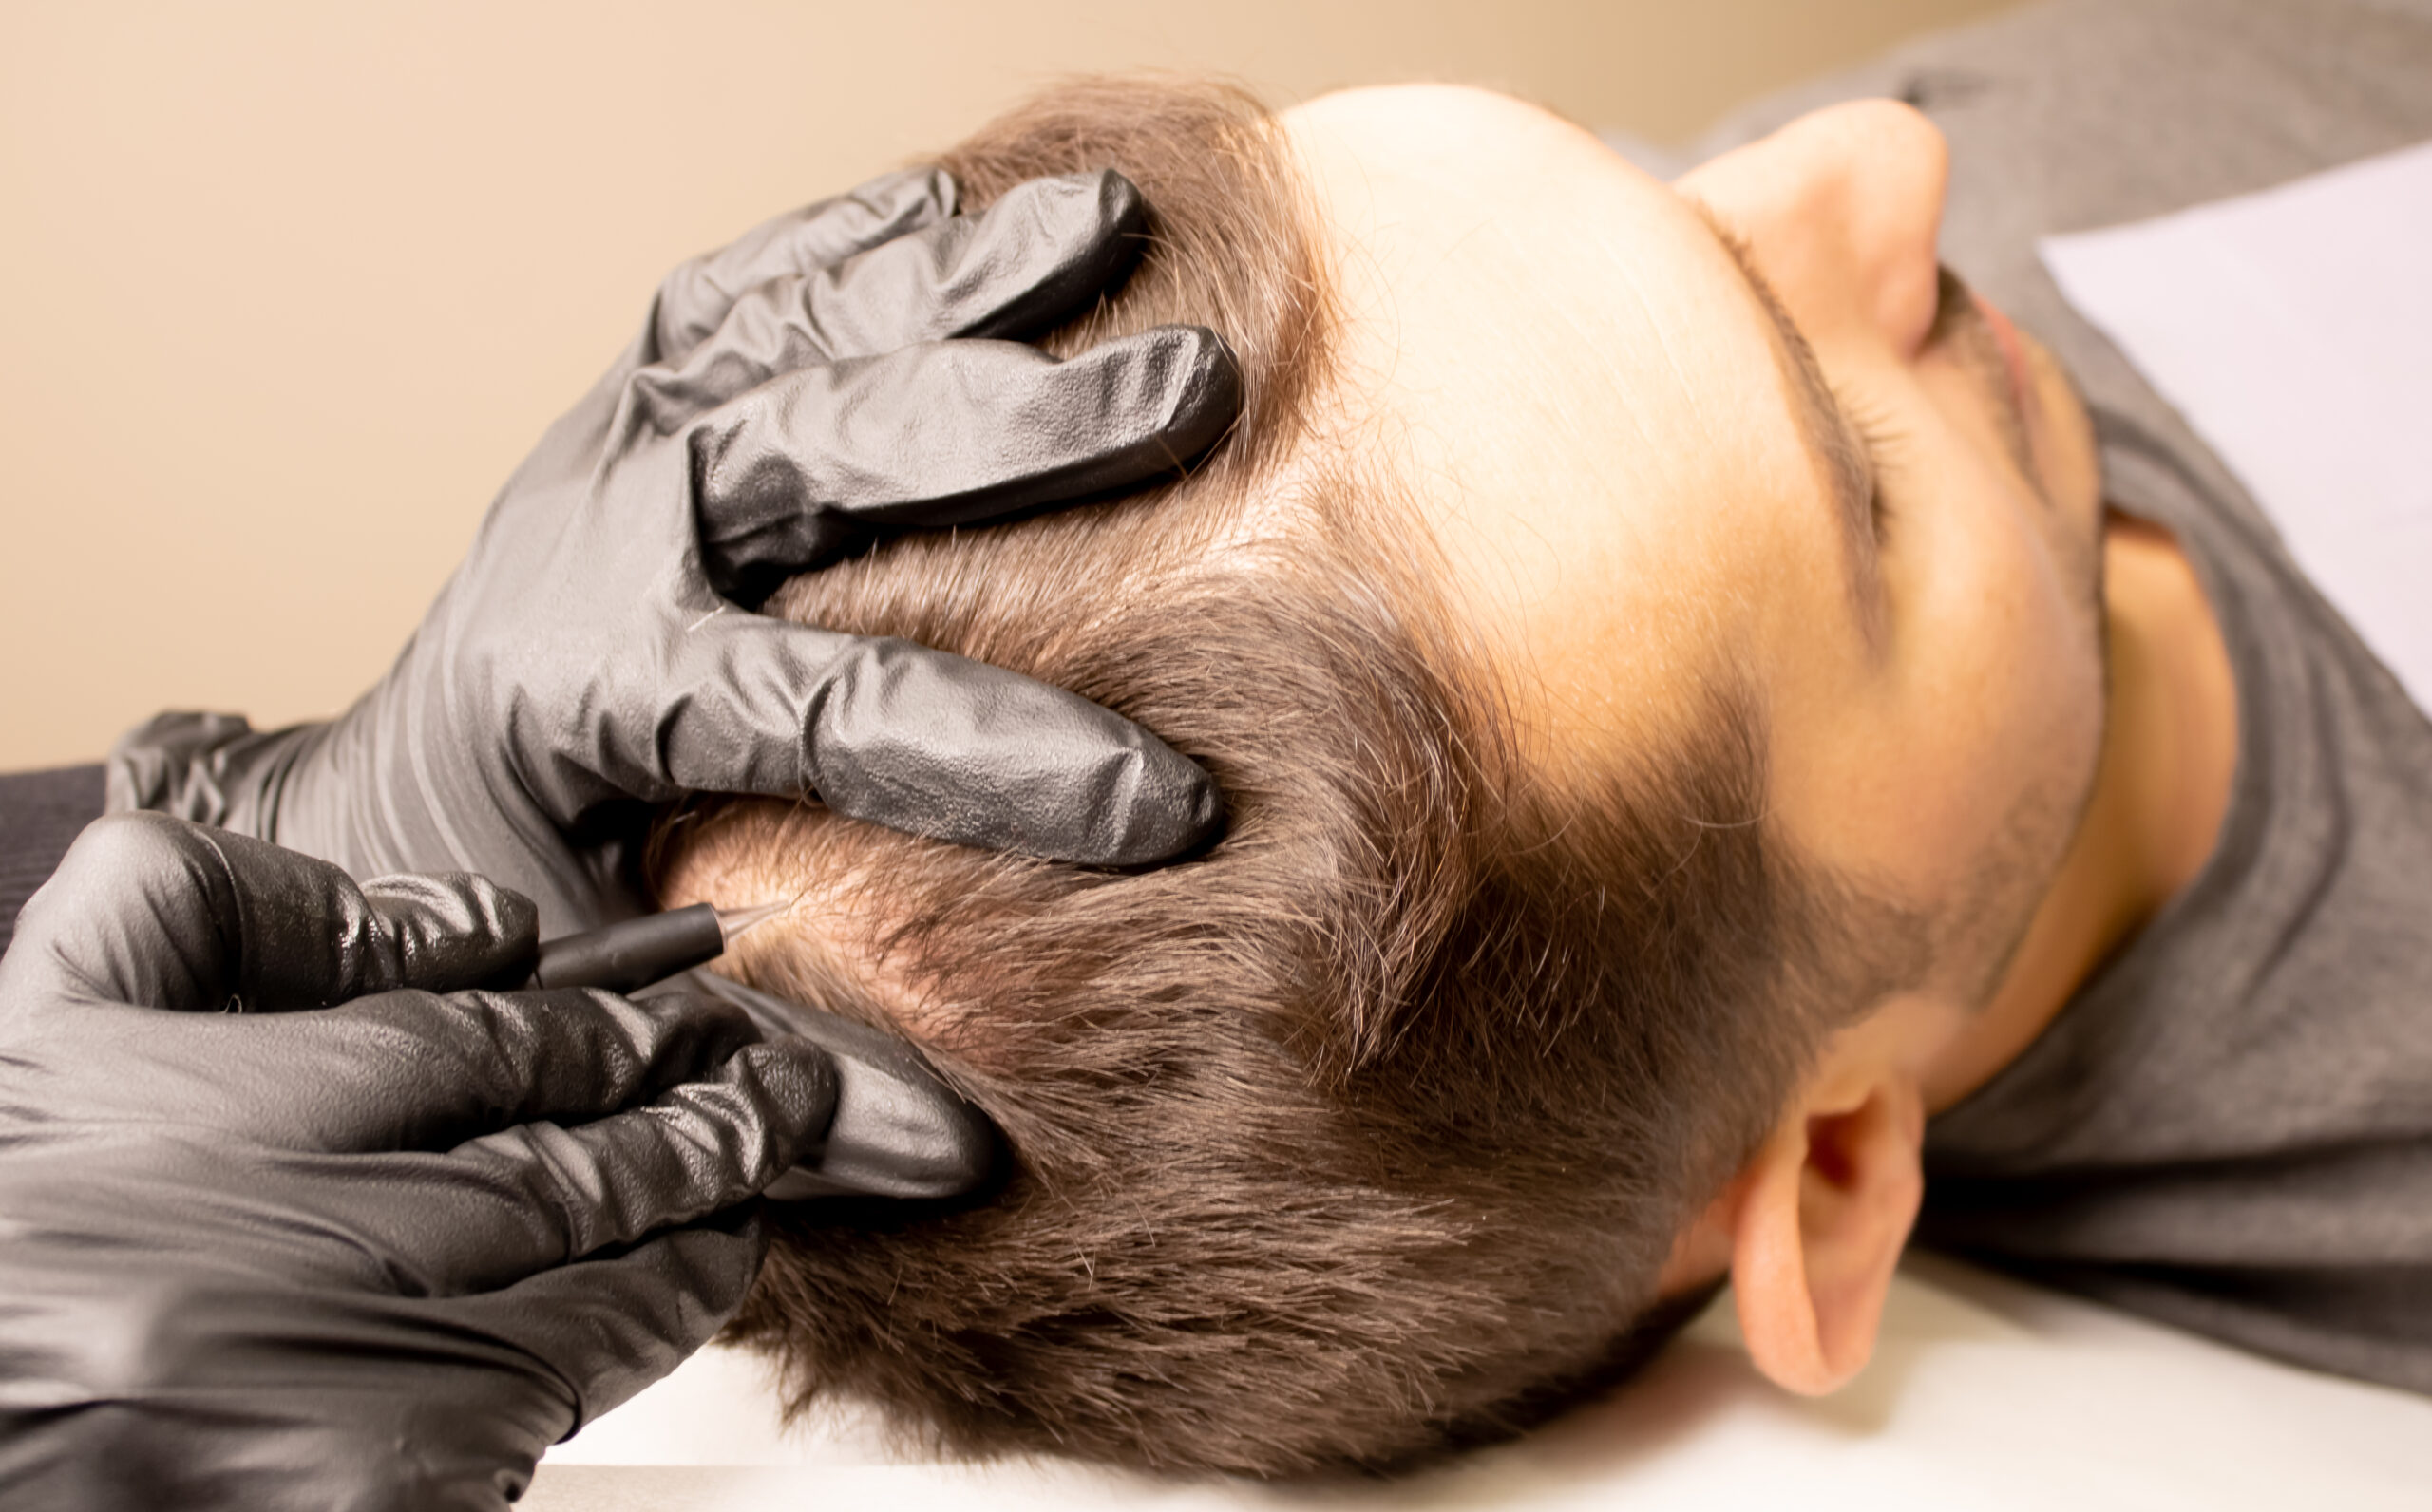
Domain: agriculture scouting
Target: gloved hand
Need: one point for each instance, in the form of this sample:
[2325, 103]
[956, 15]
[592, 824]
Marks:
[372, 1254]
[817, 380]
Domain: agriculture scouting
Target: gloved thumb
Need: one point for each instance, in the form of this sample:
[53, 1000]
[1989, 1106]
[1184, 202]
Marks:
[156, 911]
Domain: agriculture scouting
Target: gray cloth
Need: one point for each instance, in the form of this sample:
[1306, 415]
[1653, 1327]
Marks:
[2229, 1127]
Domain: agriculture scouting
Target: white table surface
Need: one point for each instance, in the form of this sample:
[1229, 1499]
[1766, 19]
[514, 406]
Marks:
[1984, 1394]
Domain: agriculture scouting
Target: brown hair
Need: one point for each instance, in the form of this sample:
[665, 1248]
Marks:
[1366, 1133]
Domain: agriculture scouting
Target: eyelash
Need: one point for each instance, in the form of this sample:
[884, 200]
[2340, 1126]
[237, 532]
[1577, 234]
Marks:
[1878, 438]
[1881, 443]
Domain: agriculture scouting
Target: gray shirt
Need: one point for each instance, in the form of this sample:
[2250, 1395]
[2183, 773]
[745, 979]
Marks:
[2229, 1126]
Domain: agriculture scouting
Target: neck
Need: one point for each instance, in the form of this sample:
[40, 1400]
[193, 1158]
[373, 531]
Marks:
[2162, 784]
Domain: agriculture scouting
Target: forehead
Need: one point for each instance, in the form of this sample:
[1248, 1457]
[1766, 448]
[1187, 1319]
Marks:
[1577, 387]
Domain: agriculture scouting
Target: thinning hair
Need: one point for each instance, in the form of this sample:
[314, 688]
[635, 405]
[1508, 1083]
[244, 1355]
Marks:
[1366, 1133]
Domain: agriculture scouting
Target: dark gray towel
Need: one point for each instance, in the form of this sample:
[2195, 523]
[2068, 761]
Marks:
[40, 816]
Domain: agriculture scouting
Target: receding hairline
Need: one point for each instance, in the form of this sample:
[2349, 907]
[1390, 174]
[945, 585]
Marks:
[1410, 1389]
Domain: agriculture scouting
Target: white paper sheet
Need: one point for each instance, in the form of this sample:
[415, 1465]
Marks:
[2293, 331]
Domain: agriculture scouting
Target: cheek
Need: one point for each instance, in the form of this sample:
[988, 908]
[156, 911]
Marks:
[2000, 702]
[1981, 721]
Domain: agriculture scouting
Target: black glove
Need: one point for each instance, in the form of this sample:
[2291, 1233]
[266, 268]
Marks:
[594, 655]
[375, 1256]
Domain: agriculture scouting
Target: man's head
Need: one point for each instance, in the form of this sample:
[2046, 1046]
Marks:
[1591, 759]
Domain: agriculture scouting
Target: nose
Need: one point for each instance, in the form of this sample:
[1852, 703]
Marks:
[1842, 209]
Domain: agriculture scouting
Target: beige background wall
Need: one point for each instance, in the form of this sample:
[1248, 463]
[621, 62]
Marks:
[287, 288]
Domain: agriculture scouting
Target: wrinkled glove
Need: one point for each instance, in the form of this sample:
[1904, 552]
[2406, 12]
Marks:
[260, 1253]
[823, 379]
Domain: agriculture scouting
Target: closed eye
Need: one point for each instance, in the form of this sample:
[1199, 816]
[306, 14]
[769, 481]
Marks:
[1881, 444]
[1878, 439]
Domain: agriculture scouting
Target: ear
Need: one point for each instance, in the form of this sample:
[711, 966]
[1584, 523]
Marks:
[1822, 1214]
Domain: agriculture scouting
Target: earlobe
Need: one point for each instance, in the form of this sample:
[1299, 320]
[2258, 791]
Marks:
[1825, 1209]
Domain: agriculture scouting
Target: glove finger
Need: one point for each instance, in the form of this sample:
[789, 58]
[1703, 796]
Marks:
[449, 931]
[412, 1072]
[399, 1071]
[157, 912]
[1042, 253]
[797, 474]
[612, 1324]
[693, 300]
[924, 742]
[527, 1199]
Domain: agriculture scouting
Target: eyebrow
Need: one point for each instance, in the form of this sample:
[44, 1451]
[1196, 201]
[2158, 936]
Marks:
[1831, 440]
